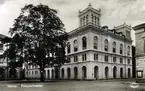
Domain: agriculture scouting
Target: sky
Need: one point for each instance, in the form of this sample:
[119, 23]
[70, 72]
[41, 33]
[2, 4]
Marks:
[114, 12]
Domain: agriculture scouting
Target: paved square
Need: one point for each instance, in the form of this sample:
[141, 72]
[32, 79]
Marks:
[100, 85]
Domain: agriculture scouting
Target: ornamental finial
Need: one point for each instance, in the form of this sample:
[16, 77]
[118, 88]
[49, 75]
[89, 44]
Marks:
[79, 11]
[89, 5]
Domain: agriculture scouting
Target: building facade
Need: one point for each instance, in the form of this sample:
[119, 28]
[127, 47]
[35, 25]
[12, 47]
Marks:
[140, 50]
[93, 51]
[5, 71]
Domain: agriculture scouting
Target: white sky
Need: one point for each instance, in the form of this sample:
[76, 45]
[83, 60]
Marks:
[114, 12]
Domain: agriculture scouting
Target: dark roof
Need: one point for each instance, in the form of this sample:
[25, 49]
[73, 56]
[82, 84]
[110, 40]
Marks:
[139, 26]
[105, 27]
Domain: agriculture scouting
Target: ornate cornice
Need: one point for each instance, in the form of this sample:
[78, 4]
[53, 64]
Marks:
[139, 26]
[102, 30]
[113, 64]
[103, 52]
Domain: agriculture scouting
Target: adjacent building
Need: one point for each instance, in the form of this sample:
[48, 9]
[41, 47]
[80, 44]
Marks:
[3, 62]
[140, 50]
[5, 71]
[93, 51]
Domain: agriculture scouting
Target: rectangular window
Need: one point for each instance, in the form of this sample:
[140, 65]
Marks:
[128, 61]
[114, 50]
[95, 45]
[128, 53]
[106, 49]
[32, 72]
[106, 58]
[36, 72]
[96, 57]
[75, 49]
[114, 59]
[84, 40]
[121, 60]
[120, 51]
[128, 50]
[68, 60]
[75, 58]
[68, 49]
[84, 57]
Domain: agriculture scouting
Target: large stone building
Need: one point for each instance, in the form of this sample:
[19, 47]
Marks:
[93, 51]
[140, 49]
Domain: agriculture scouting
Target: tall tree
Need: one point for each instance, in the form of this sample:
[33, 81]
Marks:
[38, 35]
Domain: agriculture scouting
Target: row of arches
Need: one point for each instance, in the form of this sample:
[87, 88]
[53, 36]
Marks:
[96, 72]
[115, 72]
[84, 72]
[84, 44]
[84, 20]
[11, 74]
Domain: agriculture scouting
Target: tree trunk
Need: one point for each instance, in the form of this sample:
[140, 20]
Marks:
[41, 72]
[41, 76]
